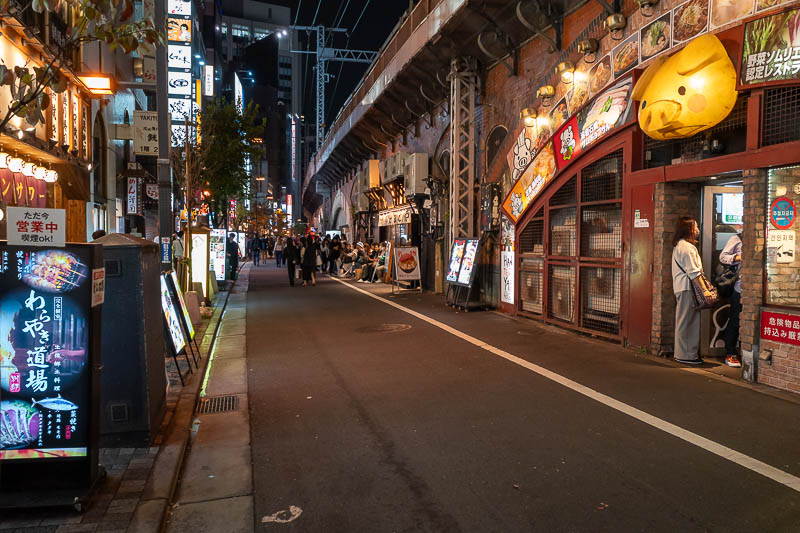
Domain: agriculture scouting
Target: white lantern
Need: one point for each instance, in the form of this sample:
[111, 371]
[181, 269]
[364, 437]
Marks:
[4, 157]
[39, 173]
[15, 164]
[28, 169]
[51, 176]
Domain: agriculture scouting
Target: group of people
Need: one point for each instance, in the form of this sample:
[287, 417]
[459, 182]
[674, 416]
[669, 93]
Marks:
[687, 266]
[261, 248]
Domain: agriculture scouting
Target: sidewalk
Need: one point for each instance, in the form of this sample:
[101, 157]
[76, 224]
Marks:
[139, 481]
[215, 490]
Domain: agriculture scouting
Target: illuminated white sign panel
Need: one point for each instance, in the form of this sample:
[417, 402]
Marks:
[208, 87]
[179, 56]
[238, 93]
[179, 108]
[179, 83]
[180, 7]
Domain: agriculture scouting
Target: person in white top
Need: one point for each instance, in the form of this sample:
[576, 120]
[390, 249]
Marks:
[686, 266]
[732, 255]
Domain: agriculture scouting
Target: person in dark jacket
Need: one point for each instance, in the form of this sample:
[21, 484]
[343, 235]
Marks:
[232, 251]
[334, 254]
[292, 257]
[308, 260]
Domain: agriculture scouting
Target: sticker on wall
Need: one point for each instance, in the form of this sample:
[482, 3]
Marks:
[782, 212]
[781, 246]
[796, 188]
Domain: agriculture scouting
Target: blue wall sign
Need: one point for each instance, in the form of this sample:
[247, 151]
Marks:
[782, 212]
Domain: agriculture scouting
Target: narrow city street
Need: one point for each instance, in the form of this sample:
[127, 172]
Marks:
[400, 414]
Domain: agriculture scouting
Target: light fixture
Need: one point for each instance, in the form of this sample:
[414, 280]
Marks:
[28, 168]
[545, 93]
[565, 71]
[528, 116]
[51, 176]
[98, 84]
[39, 173]
[197, 56]
[89, 167]
[646, 7]
[589, 48]
[15, 164]
[2, 214]
[4, 160]
[20, 134]
[615, 23]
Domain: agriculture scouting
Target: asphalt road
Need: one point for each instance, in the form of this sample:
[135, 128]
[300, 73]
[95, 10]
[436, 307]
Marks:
[415, 429]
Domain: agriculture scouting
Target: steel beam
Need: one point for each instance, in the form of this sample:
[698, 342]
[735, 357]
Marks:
[463, 79]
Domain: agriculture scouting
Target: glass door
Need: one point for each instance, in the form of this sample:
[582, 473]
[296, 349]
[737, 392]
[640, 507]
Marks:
[722, 219]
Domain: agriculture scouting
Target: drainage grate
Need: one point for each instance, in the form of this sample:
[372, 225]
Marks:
[218, 404]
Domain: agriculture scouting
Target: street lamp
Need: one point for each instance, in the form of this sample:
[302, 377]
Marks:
[98, 84]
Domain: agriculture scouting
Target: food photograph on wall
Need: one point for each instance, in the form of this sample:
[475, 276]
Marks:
[44, 352]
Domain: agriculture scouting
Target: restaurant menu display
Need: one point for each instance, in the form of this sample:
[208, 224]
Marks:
[531, 183]
[44, 352]
[771, 49]
[462, 262]
[407, 260]
[218, 253]
[187, 321]
[177, 339]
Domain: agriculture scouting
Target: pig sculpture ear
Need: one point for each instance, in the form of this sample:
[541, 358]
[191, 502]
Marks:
[700, 53]
[647, 77]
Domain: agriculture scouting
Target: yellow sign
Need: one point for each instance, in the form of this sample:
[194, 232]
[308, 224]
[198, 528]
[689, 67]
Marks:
[687, 93]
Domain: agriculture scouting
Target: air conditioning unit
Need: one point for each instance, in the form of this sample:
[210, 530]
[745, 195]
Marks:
[415, 173]
[361, 203]
[394, 167]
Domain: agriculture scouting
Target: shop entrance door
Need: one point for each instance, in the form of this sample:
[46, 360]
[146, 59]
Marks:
[722, 218]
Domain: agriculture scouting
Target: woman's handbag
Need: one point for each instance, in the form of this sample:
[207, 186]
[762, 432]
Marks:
[726, 280]
[319, 260]
[704, 294]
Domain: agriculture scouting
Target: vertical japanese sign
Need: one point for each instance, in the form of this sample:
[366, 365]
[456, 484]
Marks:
[44, 353]
[507, 277]
[218, 253]
[31, 226]
[145, 133]
[133, 196]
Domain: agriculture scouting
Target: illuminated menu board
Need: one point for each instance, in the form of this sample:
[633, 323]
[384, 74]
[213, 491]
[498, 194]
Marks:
[178, 341]
[463, 254]
[187, 320]
[218, 253]
[45, 372]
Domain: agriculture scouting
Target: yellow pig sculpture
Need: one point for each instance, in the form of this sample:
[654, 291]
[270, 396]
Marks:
[688, 92]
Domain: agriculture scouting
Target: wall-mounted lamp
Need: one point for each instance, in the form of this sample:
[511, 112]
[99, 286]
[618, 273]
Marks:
[4, 157]
[51, 176]
[545, 93]
[39, 173]
[15, 164]
[98, 84]
[589, 48]
[528, 116]
[565, 71]
[646, 7]
[28, 169]
[615, 24]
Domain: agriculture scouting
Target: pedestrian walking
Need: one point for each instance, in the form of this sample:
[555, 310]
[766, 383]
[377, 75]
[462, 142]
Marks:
[278, 251]
[308, 260]
[732, 255]
[335, 252]
[255, 248]
[686, 266]
[290, 256]
[232, 253]
[324, 253]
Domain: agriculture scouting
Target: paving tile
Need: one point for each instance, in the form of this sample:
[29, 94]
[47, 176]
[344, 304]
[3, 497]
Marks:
[231, 515]
[136, 473]
[125, 505]
[76, 528]
[216, 472]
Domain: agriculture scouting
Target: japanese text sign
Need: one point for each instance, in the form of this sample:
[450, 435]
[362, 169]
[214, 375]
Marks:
[145, 133]
[780, 327]
[33, 226]
[771, 49]
[44, 357]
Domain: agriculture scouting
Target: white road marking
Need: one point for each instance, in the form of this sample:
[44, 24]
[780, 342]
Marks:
[754, 465]
[283, 517]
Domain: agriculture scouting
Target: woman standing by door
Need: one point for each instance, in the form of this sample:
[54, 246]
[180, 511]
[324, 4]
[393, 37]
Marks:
[686, 266]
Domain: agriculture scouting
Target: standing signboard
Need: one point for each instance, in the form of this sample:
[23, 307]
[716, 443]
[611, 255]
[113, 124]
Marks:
[407, 260]
[462, 262]
[49, 353]
[145, 133]
[173, 323]
[183, 310]
[218, 253]
[29, 226]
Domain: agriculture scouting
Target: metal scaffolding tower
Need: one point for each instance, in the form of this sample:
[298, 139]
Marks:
[325, 54]
[463, 89]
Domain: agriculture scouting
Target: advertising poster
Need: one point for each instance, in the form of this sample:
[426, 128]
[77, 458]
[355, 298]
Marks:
[771, 49]
[465, 275]
[726, 11]
[407, 261]
[177, 340]
[625, 56]
[507, 277]
[531, 183]
[200, 265]
[656, 36]
[176, 288]
[218, 253]
[179, 29]
[600, 74]
[522, 152]
[180, 7]
[606, 112]
[44, 353]
[456, 254]
[241, 240]
[690, 19]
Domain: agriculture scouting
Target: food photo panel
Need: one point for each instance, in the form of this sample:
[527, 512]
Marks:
[689, 20]
[656, 36]
[625, 56]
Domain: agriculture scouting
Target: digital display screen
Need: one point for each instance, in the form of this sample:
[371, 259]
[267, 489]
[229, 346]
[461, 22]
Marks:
[187, 320]
[45, 299]
[200, 260]
[171, 316]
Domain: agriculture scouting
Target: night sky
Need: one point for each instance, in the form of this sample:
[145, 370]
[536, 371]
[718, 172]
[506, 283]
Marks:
[377, 19]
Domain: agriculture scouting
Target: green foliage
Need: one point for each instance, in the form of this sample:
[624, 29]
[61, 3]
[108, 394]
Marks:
[226, 144]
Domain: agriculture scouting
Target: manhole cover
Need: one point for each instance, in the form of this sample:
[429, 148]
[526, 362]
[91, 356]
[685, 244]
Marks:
[384, 328]
[217, 404]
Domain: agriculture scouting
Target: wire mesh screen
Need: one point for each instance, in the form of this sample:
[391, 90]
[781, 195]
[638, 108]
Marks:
[781, 115]
[601, 231]
[561, 284]
[600, 290]
[562, 232]
[566, 194]
[531, 239]
[602, 180]
[727, 137]
[531, 281]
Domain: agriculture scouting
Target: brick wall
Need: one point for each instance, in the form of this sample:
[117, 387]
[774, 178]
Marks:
[752, 272]
[672, 200]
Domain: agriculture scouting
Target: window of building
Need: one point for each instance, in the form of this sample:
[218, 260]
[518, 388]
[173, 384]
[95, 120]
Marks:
[260, 33]
[240, 31]
[224, 29]
[782, 272]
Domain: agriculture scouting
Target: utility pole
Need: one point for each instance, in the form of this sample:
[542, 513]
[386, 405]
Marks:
[164, 142]
[323, 55]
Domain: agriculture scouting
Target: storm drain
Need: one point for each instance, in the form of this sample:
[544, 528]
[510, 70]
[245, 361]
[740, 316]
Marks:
[217, 404]
[384, 328]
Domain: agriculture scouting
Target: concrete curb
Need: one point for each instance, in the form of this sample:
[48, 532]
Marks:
[151, 511]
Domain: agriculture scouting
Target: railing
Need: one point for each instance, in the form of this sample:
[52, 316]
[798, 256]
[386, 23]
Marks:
[387, 53]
